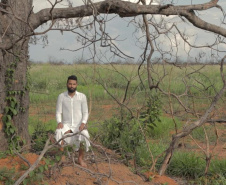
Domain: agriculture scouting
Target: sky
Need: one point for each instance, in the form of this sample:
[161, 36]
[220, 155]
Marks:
[125, 32]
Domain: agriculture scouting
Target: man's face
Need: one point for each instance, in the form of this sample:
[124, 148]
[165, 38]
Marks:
[71, 86]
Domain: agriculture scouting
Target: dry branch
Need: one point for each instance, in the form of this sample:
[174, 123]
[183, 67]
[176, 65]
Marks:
[188, 129]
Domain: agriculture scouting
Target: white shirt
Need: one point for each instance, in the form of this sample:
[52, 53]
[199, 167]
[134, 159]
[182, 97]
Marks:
[72, 110]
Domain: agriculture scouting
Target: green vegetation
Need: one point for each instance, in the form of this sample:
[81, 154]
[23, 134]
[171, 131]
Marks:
[143, 157]
[192, 167]
[7, 175]
[186, 164]
[142, 120]
[13, 106]
[163, 128]
[39, 137]
[199, 133]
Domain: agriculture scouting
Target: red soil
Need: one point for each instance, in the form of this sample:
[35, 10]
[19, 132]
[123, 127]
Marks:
[97, 173]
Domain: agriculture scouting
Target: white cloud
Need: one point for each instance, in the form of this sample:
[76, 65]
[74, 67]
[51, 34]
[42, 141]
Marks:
[119, 27]
[41, 4]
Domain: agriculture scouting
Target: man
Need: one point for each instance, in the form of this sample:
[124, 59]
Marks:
[72, 116]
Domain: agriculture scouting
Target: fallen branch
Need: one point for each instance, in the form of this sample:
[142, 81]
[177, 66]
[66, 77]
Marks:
[25, 160]
[32, 167]
[216, 121]
[46, 148]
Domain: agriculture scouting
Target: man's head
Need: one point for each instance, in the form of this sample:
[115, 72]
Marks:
[72, 83]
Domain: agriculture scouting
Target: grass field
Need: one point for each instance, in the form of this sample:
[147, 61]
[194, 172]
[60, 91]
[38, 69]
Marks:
[198, 82]
[116, 90]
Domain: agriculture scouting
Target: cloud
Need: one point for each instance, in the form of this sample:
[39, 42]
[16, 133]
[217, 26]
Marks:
[56, 40]
[125, 31]
[41, 4]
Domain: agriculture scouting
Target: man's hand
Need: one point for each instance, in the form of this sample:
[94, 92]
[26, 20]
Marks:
[82, 126]
[60, 125]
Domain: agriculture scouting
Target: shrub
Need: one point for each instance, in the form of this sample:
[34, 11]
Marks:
[163, 128]
[188, 165]
[150, 114]
[7, 175]
[218, 167]
[124, 133]
[143, 157]
[213, 180]
[39, 136]
[111, 132]
[192, 166]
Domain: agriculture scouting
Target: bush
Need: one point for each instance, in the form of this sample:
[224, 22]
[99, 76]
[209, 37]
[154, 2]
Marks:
[143, 157]
[40, 136]
[150, 114]
[125, 134]
[163, 128]
[192, 166]
[121, 135]
[7, 175]
[111, 132]
[218, 167]
[212, 180]
[188, 165]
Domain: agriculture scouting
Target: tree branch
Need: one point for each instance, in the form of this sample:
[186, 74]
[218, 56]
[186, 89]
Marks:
[128, 9]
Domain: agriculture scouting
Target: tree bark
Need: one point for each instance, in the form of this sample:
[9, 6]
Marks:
[128, 9]
[13, 69]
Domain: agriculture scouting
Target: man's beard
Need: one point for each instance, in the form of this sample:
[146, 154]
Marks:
[71, 90]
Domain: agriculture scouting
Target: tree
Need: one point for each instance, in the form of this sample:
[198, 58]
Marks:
[18, 24]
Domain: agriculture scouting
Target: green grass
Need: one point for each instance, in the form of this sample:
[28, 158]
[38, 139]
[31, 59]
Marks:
[186, 164]
[206, 79]
[163, 128]
[7, 175]
[39, 132]
[215, 176]
[44, 75]
[218, 167]
[48, 81]
[199, 134]
[192, 166]
[35, 124]
[143, 157]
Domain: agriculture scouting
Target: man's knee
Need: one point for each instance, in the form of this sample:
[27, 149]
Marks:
[58, 131]
[85, 133]
[67, 132]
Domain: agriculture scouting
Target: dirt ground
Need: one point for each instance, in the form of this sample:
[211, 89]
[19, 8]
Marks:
[105, 168]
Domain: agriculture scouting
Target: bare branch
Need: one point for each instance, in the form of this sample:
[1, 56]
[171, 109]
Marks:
[189, 128]
[128, 9]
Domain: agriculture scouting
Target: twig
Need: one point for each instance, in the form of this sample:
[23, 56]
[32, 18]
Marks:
[25, 160]
[46, 148]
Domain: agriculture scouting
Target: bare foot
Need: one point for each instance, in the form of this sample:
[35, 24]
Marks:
[61, 149]
[82, 163]
[62, 160]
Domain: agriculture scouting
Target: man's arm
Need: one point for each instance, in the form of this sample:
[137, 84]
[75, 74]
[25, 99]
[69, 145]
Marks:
[85, 113]
[59, 113]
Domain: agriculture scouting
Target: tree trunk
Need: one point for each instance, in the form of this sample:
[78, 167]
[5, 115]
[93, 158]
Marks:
[14, 97]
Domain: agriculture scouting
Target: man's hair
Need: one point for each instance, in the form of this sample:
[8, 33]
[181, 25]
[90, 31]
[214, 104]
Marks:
[72, 77]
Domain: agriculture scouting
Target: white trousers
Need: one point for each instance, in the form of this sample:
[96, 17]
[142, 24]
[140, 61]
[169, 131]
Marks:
[75, 140]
